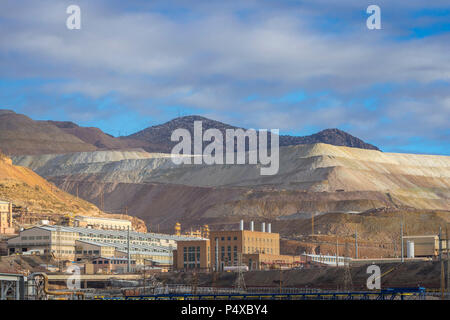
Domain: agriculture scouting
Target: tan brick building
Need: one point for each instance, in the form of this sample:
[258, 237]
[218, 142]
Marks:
[255, 249]
[424, 246]
[232, 243]
[6, 219]
[263, 261]
[192, 254]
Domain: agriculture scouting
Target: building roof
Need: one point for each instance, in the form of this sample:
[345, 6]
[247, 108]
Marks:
[323, 256]
[100, 244]
[118, 233]
[123, 233]
[112, 258]
[101, 218]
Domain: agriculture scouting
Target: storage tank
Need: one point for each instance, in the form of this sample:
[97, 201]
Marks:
[241, 225]
[269, 228]
[252, 226]
[263, 227]
[410, 249]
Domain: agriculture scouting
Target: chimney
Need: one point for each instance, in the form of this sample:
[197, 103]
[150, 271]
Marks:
[263, 227]
[252, 226]
[241, 225]
[269, 228]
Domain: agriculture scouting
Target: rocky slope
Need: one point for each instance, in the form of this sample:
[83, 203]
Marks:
[26, 189]
[22, 135]
[313, 179]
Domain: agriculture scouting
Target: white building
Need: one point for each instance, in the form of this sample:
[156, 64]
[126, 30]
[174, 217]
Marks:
[71, 243]
[327, 260]
[102, 223]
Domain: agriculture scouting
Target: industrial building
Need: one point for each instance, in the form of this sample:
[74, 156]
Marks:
[6, 218]
[326, 259]
[76, 244]
[112, 265]
[192, 254]
[256, 249]
[45, 239]
[264, 261]
[102, 223]
[423, 246]
[229, 244]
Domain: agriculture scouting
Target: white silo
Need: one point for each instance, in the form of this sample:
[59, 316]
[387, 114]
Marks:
[263, 227]
[241, 225]
[410, 249]
[252, 226]
[269, 228]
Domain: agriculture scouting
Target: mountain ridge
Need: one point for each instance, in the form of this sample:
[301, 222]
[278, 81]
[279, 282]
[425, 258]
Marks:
[163, 132]
[21, 135]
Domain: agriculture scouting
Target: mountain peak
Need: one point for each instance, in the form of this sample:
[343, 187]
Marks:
[160, 134]
[335, 137]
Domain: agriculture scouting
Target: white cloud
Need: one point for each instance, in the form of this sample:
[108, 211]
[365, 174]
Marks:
[210, 57]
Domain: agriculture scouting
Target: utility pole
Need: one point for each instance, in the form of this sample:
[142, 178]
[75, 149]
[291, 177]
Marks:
[58, 252]
[194, 286]
[401, 240]
[348, 283]
[312, 223]
[337, 244]
[128, 250]
[240, 281]
[102, 204]
[281, 280]
[356, 244]
[442, 265]
[448, 261]
[217, 254]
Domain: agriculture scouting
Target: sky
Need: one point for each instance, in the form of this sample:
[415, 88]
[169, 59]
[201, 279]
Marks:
[297, 66]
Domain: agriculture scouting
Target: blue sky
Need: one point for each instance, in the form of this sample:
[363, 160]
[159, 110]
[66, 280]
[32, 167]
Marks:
[299, 66]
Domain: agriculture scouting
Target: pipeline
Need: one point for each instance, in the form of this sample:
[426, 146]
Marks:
[79, 294]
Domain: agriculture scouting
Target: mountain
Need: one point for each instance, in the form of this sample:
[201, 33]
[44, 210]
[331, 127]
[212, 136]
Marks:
[20, 135]
[334, 137]
[100, 140]
[27, 190]
[317, 179]
[160, 134]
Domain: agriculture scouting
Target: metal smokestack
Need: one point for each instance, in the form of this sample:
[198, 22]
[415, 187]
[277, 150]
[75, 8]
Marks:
[241, 225]
[269, 228]
[263, 227]
[252, 226]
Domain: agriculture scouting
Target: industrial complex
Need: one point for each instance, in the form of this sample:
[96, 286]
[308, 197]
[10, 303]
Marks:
[100, 247]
